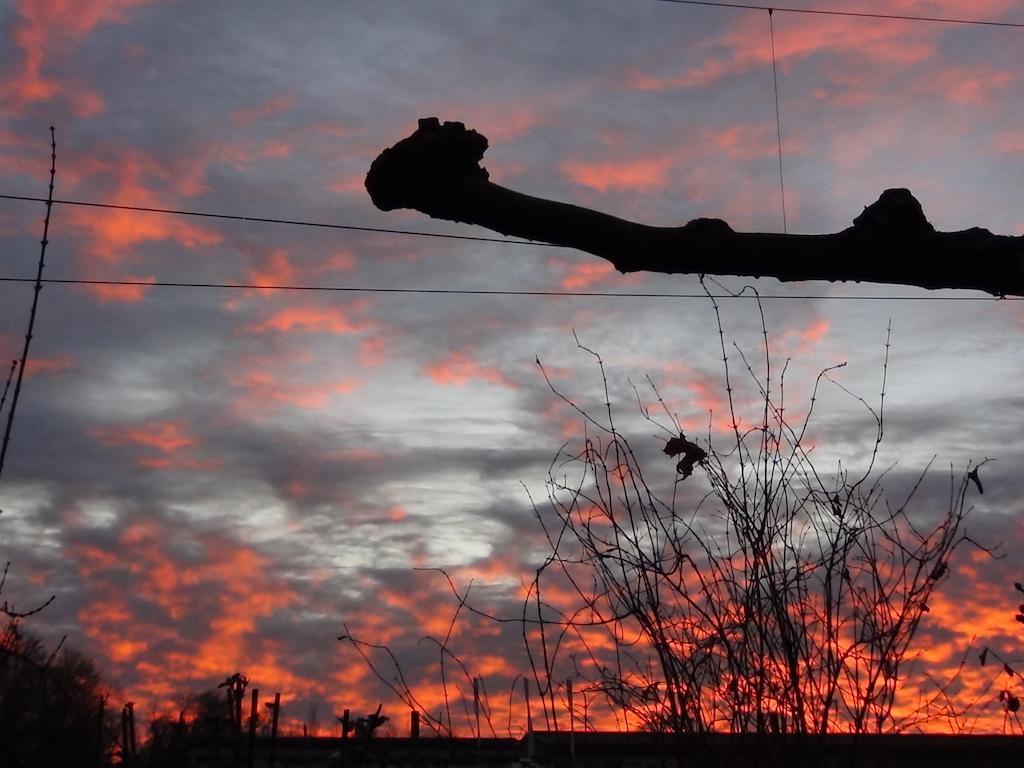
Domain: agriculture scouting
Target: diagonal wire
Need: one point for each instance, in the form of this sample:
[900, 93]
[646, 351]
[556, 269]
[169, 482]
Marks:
[852, 14]
[271, 220]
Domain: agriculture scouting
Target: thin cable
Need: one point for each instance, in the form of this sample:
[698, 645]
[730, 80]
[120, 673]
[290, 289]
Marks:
[497, 292]
[269, 220]
[852, 14]
[778, 119]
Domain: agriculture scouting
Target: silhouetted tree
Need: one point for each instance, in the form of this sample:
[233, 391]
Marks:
[782, 600]
[204, 722]
[771, 598]
[1007, 676]
[52, 709]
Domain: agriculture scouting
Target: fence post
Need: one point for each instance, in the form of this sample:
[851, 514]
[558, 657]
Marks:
[131, 729]
[254, 703]
[476, 714]
[125, 759]
[276, 707]
[414, 736]
[346, 724]
[239, 693]
[529, 718]
[572, 721]
[128, 745]
[97, 758]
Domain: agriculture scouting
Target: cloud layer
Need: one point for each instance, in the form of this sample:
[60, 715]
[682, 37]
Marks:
[217, 479]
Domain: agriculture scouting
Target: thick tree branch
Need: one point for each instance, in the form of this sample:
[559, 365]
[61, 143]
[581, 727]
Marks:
[436, 171]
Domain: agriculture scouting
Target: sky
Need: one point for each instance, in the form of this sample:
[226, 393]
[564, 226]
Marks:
[214, 480]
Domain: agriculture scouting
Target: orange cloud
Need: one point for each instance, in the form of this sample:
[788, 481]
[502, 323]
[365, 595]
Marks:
[115, 236]
[1011, 142]
[499, 121]
[39, 39]
[585, 274]
[700, 76]
[353, 184]
[277, 269]
[21, 155]
[338, 261]
[590, 273]
[694, 395]
[797, 37]
[745, 142]
[274, 106]
[223, 589]
[48, 366]
[241, 155]
[165, 436]
[169, 443]
[971, 85]
[692, 160]
[816, 331]
[109, 294]
[459, 369]
[308, 320]
[115, 233]
[644, 173]
[264, 391]
[798, 341]
[372, 351]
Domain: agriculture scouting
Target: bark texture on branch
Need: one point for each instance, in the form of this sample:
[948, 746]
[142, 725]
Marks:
[437, 171]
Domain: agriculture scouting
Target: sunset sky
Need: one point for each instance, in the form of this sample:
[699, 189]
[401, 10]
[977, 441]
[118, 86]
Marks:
[214, 480]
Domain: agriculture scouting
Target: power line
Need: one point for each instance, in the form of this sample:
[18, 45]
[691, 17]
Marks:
[852, 14]
[427, 291]
[269, 220]
[500, 292]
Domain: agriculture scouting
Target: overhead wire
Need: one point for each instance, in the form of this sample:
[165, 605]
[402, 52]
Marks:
[851, 14]
[274, 220]
[514, 241]
[501, 292]
[415, 233]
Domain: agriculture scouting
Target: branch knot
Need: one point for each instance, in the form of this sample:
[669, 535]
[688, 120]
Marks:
[423, 170]
[895, 215]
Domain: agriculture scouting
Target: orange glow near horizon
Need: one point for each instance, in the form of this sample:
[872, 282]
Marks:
[232, 585]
